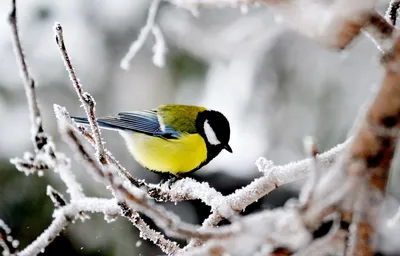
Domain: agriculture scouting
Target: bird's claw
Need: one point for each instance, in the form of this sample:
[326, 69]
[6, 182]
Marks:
[169, 181]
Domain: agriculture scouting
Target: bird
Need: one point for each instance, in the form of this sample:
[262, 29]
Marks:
[173, 140]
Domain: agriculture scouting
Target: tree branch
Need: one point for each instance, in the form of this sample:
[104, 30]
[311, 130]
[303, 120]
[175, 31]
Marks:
[159, 47]
[45, 154]
[372, 151]
[38, 135]
[86, 99]
[64, 216]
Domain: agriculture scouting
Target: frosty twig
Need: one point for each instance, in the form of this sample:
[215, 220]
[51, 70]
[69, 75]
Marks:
[38, 135]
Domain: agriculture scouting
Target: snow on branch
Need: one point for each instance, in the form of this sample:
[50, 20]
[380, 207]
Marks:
[45, 156]
[275, 228]
[29, 164]
[276, 176]
[66, 215]
[159, 49]
[167, 246]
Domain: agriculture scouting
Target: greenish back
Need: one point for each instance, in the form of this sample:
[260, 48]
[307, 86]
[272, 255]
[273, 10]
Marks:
[180, 117]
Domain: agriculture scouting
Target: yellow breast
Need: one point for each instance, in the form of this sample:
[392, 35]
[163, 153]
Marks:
[173, 156]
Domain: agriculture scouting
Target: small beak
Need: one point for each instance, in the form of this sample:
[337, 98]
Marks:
[228, 148]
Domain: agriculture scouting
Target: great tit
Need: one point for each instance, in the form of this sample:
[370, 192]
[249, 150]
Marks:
[173, 140]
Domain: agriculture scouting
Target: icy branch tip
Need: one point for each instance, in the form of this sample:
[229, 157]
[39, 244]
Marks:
[88, 99]
[60, 112]
[125, 65]
[263, 164]
[57, 27]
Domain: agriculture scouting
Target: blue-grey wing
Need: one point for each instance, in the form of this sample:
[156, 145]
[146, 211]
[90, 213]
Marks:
[145, 122]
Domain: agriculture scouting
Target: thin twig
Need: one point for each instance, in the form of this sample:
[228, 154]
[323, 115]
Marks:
[150, 26]
[86, 99]
[166, 245]
[45, 154]
[29, 165]
[38, 135]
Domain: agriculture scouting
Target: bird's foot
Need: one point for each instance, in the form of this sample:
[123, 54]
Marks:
[169, 179]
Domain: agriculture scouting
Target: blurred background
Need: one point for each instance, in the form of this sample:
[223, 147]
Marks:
[274, 85]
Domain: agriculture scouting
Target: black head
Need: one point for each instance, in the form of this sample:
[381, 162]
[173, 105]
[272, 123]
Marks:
[214, 128]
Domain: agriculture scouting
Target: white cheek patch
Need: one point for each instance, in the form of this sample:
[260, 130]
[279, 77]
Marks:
[210, 134]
